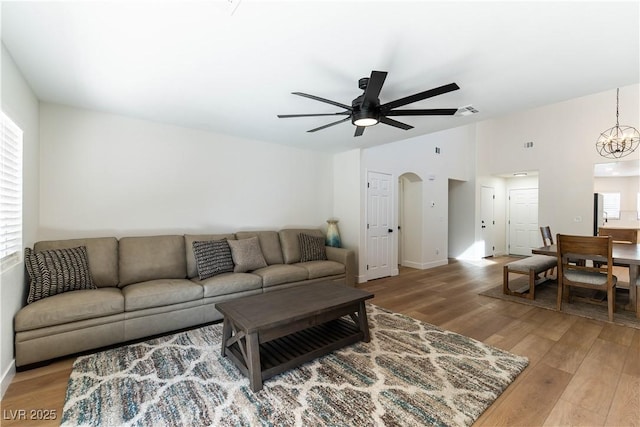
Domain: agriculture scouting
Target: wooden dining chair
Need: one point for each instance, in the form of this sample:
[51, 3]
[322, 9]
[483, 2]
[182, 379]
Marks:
[547, 237]
[596, 274]
[620, 235]
[627, 236]
[547, 240]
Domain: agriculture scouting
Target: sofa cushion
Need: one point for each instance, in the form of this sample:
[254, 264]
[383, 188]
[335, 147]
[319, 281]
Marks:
[247, 255]
[160, 292]
[317, 269]
[192, 269]
[56, 271]
[290, 244]
[212, 257]
[152, 257]
[229, 283]
[278, 274]
[269, 244]
[311, 248]
[69, 307]
[102, 253]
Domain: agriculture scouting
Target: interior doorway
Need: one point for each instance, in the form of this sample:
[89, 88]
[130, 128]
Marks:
[410, 212]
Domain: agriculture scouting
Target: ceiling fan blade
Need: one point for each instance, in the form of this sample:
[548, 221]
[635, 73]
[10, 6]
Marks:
[330, 124]
[328, 101]
[374, 86]
[394, 123]
[359, 131]
[427, 112]
[287, 116]
[419, 96]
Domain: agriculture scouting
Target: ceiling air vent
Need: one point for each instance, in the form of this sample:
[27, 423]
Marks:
[466, 111]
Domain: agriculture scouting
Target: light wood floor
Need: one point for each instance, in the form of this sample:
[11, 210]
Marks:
[581, 372]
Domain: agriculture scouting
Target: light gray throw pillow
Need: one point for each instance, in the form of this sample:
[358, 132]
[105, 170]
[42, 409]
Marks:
[246, 254]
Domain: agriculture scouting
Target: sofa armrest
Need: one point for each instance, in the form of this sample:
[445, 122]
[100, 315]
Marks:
[346, 257]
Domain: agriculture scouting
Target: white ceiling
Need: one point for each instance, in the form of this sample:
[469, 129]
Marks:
[195, 64]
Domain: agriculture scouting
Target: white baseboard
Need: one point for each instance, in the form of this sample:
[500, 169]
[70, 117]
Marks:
[412, 264]
[7, 377]
[436, 263]
[425, 265]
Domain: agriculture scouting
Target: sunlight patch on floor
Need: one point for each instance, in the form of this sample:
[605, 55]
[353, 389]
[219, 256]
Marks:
[479, 262]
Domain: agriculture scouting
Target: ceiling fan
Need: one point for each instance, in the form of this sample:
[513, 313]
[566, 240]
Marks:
[366, 109]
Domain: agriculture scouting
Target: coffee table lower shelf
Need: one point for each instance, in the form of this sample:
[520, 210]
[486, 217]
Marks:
[295, 349]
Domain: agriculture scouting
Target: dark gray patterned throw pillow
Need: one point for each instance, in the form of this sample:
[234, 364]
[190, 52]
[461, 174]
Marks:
[212, 257]
[311, 248]
[56, 271]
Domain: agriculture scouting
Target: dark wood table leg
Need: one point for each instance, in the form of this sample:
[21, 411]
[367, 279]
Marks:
[364, 324]
[253, 362]
[226, 334]
[634, 271]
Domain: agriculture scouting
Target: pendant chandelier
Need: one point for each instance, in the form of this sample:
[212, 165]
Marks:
[619, 141]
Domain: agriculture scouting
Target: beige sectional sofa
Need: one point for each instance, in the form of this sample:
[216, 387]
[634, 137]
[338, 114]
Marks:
[150, 285]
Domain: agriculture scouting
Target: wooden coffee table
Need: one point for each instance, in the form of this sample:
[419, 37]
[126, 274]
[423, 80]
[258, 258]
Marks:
[270, 333]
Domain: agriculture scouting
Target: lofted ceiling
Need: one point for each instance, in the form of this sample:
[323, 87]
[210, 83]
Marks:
[204, 65]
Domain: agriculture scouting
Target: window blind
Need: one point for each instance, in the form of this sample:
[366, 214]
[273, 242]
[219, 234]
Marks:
[611, 205]
[10, 193]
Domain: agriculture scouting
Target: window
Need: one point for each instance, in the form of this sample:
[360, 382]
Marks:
[10, 193]
[611, 205]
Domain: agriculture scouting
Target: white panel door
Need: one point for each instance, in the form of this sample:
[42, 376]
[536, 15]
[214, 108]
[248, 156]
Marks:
[524, 232]
[487, 200]
[379, 225]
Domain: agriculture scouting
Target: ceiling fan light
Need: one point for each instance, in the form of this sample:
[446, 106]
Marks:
[364, 117]
[365, 121]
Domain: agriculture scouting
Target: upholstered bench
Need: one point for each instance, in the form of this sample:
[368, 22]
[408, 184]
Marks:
[531, 266]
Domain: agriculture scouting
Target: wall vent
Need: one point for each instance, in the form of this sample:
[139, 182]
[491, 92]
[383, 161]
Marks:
[466, 111]
[528, 144]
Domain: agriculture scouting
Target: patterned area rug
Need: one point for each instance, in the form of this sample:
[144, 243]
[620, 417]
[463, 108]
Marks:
[592, 305]
[411, 373]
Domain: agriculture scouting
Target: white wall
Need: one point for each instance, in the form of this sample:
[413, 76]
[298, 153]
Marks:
[417, 155]
[564, 136]
[346, 197]
[21, 105]
[103, 174]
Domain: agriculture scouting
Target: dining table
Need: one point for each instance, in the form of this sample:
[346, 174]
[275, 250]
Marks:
[624, 254]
